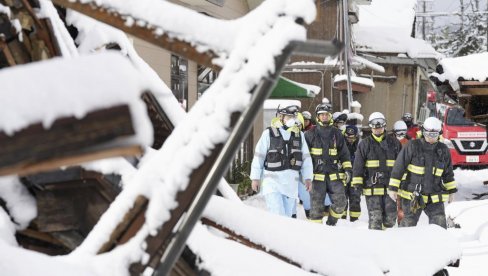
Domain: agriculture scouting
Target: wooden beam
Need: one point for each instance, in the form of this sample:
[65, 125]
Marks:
[473, 83]
[68, 136]
[128, 227]
[7, 54]
[247, 242]
[114, 19]
[475, 91]
[52, 164]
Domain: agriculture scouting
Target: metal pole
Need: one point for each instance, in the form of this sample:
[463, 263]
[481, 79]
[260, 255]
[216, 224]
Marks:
[345, 9]
[242, 127]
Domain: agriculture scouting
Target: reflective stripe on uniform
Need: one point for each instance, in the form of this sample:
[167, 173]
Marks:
[404, 177]
[437, 171]
[347, 165]
[358, 180]
[372, 163]
[373, 191]
[354, 214]
[333, 176]
[416, 169]
[332, 152]
[316, 220]
[450, 185]
[273, 165]
[316, 151]
[434, 198]
[394, 182]
[390, 163]
[319, 177]
[334, 214]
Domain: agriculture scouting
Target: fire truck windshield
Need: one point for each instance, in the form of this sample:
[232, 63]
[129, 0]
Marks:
[455, 117]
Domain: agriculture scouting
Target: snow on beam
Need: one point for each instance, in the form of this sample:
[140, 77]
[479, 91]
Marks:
[150, 33]
[334, 249]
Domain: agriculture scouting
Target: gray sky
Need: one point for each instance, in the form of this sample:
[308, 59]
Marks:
[445, 6]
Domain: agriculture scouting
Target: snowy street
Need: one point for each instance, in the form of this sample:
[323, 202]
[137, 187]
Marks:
[469, 214]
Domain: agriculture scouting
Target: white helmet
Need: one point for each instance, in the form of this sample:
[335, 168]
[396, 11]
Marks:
[432, 124]
[307, 115]
[377, 120]
[400, 126]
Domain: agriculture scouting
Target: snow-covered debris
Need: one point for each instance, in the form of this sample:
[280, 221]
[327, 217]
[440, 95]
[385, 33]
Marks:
[332, 250]
[64, 40]
[268, 30]
[77, 87]
[472, 67]
[20, 203]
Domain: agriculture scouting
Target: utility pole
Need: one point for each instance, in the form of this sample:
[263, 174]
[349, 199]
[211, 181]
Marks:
[347, 67]
[423, 21]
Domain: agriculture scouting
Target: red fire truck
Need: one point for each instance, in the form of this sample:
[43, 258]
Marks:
[465, 138]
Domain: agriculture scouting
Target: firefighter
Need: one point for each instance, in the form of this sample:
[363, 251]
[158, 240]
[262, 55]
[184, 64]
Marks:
[307, 120]
[353, 196]
[373, 162]
[429, 178]
[411, 127]
[400, 132]
[329, 156]
[281, 153]
[340, 119]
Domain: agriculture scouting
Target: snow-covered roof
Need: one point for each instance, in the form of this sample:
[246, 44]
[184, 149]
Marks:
[471, 67]
[354, 79]
[386, 26]
[45, 91]
[275, 103]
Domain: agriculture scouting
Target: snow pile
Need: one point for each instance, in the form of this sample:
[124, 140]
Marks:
[471, 67]
[88, 83]
[20, 203]
[386, 26]
[334, 250]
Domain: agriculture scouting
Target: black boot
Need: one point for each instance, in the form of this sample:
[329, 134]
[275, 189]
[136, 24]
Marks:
[331, 221]
[294, 216]
[353, 219]
[307, 213]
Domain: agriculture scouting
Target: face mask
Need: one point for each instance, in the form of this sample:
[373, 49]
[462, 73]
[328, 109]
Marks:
[343, 127]
[290, 122]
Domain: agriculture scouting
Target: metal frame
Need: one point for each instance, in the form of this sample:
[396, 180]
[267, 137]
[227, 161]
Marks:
[240, 130]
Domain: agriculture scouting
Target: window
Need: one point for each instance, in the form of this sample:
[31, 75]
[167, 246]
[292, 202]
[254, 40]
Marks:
[455, 117]
[179, 79]
[206, 76]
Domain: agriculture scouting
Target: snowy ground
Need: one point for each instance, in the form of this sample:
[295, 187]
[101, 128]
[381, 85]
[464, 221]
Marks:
[470, 214]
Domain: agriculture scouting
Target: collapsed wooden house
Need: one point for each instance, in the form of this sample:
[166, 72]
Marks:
[145, 226]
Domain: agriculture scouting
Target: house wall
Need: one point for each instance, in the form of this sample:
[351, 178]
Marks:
[391, 97]
[160, 60]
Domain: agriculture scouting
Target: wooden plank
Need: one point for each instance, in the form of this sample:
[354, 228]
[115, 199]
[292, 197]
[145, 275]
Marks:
[473, 83]
[475, 91]
[66, 136]
[46, 237]
[130, 224]
[160, 121]
[7, 54]
[165, 41]
[51, 164]
[247, 242]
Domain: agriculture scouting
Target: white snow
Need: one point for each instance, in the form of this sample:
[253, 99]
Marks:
[354, 79]
[386, 26]
[471, 67]
[5, 10]
[348, 249]
[273, 104]
[332, 250]
[80, 85]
